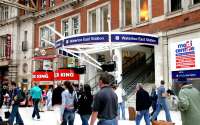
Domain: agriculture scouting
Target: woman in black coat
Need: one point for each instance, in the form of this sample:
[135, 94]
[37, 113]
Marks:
[85, 104]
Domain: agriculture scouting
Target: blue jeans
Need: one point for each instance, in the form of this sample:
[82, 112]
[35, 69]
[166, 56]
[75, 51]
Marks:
[122, 106]
[35, 108]
[160, 105]
[84, 119]
[107, 122]
[15, 114]
[68, 117]
[139, 116]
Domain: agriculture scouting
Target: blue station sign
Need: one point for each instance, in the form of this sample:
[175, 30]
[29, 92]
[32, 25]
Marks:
[186, 74]
[134, 38]
[104, 37]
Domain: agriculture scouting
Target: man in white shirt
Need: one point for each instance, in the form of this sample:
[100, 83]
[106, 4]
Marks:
[121, 104]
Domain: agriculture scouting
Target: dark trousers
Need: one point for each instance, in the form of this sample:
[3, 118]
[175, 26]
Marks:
[35, 108]
[15, 114]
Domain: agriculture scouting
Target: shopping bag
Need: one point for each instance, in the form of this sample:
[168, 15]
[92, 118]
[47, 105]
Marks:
[162, 122]
[132, 113]
[7, 114]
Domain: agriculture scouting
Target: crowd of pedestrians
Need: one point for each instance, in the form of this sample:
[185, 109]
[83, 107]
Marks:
[107, 105]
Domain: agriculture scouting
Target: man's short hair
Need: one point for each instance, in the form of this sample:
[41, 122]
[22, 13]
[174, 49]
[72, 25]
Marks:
[107, 78]
[162, 82]
[13, 83]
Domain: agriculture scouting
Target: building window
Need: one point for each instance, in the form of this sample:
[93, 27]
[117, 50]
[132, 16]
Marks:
[71, 26]
[196, 1]
[175, 5]
[93, 21]
[4, 12]
[104, 19]
[52, 3]
[144, 11]
[75, 25]
[2, 46]
[44, 4]
[99, 16]
[46, 34]
[127, 12]
[66, 27]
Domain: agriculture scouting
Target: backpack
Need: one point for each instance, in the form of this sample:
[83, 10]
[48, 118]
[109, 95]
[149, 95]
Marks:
[21, 96]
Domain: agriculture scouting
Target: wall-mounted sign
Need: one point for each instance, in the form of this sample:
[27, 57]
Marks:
[66, 74]
[8, 46]
[42, 76]
[186, 74]
[185, 55]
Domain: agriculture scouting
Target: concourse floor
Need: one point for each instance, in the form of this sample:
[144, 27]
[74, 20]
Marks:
[48, 118]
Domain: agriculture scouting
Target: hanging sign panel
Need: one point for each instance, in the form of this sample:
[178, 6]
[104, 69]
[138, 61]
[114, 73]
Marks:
[135, 38]
[104, 37]
[42, 76]
[66, 74]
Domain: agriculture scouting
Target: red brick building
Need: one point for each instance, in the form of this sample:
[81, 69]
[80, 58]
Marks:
[171, 20]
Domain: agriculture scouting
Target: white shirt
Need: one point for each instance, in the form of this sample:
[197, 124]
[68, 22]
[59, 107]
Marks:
[120, 93]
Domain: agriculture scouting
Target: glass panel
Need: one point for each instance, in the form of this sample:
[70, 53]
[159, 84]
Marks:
[75, 25]
[128, 20]
[104, 23]
[144, 14]
[196, 1]
[51, 34]
[175, 5]
[66, 28]
[43, 4]
[52, 3]
[93, 21]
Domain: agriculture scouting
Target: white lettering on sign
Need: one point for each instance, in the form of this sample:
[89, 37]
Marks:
[42, 76]
[67, 75]
[56, 74]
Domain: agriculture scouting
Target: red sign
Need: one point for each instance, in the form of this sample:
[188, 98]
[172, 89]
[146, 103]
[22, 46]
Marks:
[8, 46]
[66, 74]
[42, 76]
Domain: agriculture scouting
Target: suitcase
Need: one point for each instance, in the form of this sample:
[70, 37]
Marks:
[132, 113]
[162, 122]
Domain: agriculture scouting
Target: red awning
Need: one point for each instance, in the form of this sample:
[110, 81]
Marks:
[50, 57]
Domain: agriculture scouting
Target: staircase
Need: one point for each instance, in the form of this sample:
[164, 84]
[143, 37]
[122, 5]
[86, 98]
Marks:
[141, 70]
[142, 73]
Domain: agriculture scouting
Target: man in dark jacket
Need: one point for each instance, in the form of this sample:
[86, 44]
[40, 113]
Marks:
[143, 102]
[15, 106]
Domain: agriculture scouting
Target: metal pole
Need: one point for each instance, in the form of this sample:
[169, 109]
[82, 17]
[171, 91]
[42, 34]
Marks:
[109, 30]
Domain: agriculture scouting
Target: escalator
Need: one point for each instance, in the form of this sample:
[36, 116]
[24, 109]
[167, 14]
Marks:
[140, 71]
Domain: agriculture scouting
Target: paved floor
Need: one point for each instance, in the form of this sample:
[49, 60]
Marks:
[48, 118]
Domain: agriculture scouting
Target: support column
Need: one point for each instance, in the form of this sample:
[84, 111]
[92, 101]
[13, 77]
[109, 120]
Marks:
[161, 60]
[118, 59]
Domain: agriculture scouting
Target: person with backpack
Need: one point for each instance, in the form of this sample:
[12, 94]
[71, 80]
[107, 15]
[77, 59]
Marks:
[16, 97]
[36, 94]
[143, 102]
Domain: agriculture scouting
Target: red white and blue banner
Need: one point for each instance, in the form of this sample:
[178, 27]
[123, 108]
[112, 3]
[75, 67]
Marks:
[185, 58]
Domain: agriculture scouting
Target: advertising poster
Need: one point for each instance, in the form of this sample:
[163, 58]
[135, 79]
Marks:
[185, 58]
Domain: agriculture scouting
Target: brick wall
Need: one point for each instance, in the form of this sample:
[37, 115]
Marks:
[157, 8]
